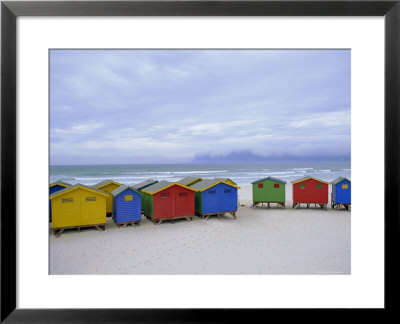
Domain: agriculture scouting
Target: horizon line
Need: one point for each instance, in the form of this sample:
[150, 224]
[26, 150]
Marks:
[199, 163]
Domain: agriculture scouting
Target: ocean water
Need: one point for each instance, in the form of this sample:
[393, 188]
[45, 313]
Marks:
[242, 174]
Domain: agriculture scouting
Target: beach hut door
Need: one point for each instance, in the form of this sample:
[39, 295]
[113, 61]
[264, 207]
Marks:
[90, 210]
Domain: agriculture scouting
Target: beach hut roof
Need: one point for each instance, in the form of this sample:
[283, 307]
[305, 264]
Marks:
[271, 178]
[339, 179]
[208, 183]
[162, 185]
[104, 183]
[189, 180]
[226, 179]
[120, 190]
[143, 184]
[77, 186]
[60, 183]
[308, 177]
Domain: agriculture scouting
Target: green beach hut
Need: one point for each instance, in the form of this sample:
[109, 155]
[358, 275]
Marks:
[142, 185]
[269, 190]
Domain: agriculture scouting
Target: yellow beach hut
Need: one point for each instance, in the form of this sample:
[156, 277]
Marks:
[108, 186]
[78, 206]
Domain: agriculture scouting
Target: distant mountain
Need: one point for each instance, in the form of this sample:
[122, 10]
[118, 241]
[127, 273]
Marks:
[250, 157]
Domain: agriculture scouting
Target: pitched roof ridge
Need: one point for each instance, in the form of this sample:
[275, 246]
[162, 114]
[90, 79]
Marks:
[104, 182]
[59, 181]
[269, 177]
[73, 187]
[309, 177]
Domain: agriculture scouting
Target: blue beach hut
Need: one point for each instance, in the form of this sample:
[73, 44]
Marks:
[341, 193]
[54, 187]
[215, 197]
[127, 207]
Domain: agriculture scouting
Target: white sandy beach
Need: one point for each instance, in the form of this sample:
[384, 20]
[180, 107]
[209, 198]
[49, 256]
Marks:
[260, 241]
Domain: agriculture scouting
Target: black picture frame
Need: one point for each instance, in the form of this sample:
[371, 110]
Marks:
[10, 10]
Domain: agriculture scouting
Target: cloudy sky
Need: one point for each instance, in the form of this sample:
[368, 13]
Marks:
[166, 106]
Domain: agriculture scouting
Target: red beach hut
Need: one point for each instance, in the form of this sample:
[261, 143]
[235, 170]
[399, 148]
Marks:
[168, 200]
[309, 190]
